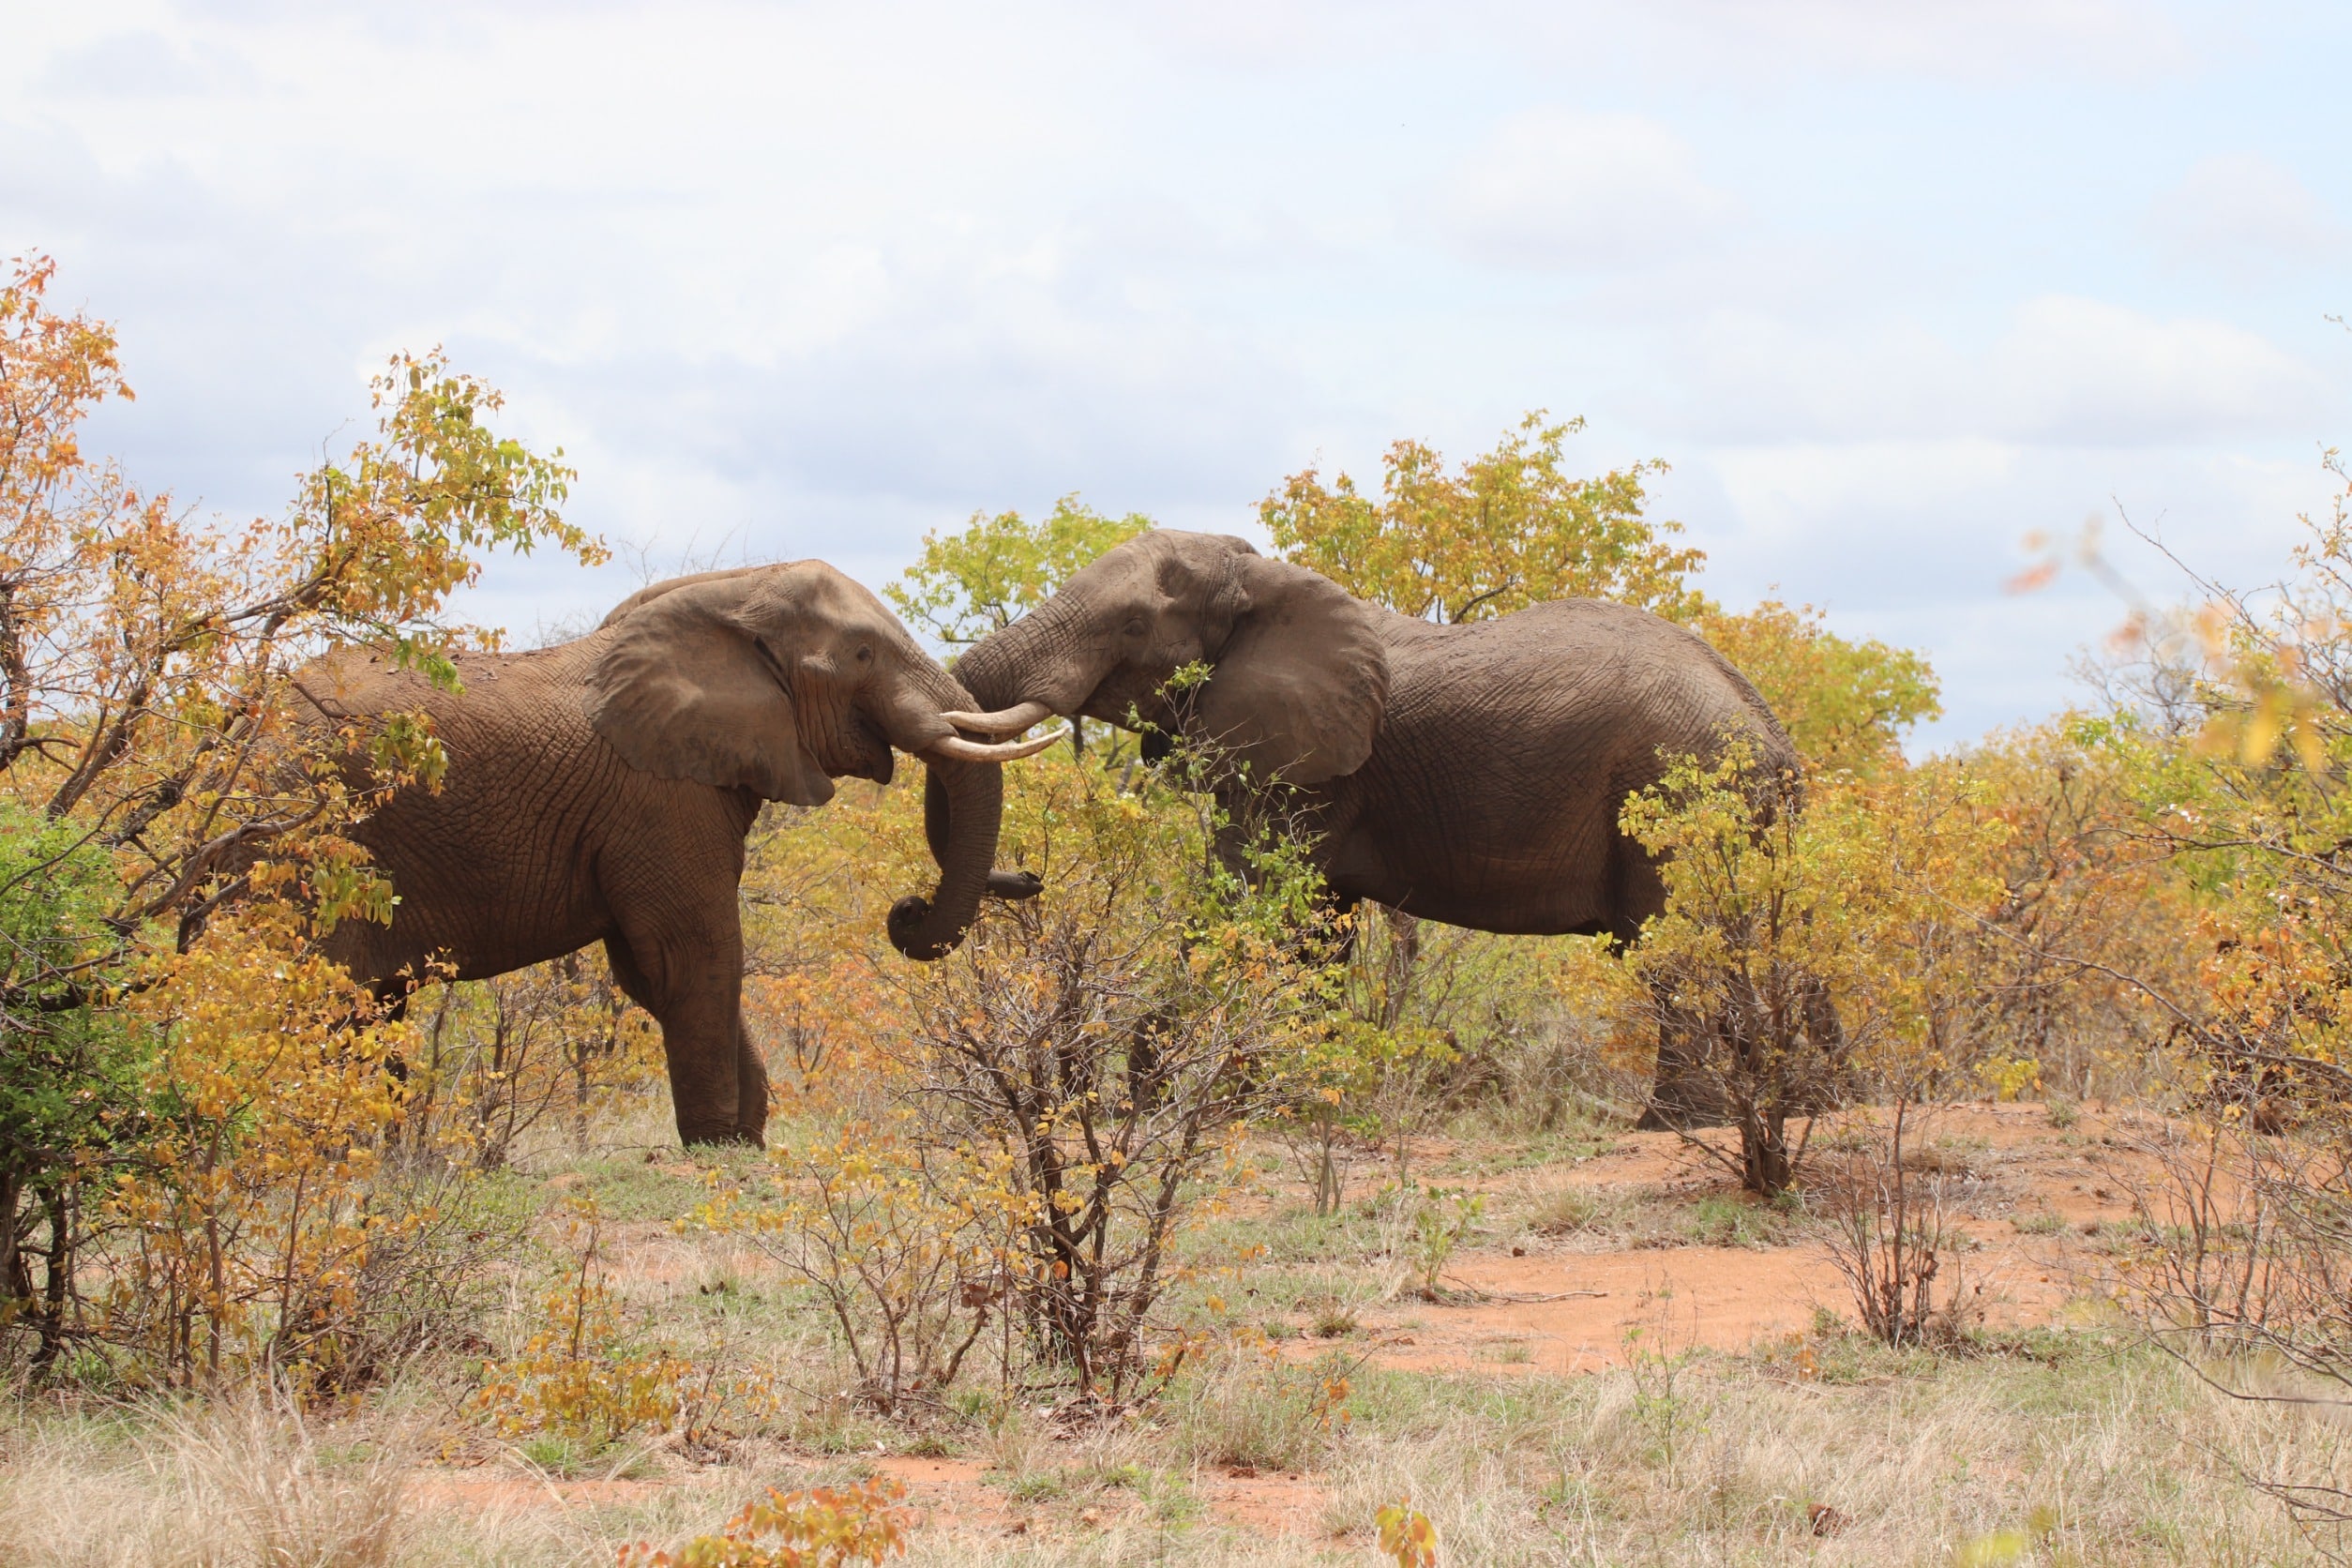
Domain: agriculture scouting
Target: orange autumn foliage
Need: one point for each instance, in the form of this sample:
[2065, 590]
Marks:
[218, 1217]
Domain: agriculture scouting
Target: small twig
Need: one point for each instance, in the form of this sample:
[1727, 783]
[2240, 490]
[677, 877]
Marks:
[1520, 1297]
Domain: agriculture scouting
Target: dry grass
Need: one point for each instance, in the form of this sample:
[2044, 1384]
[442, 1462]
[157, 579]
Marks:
[1588, 1219]
[2124, 1457]
[1261, 1413]
[241, 1481]
[2128, 1472]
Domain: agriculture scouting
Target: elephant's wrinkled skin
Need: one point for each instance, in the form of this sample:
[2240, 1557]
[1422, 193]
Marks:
[601, 792]
[1471, 773]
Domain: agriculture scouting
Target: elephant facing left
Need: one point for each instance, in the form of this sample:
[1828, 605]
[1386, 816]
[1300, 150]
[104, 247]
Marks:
[602, 790]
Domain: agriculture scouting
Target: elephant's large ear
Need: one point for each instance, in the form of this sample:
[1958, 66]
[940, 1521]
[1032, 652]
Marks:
[683, 691]
[1301, 680]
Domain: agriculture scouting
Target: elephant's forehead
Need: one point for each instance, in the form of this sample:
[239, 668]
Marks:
[814, 588]
[1127, 574]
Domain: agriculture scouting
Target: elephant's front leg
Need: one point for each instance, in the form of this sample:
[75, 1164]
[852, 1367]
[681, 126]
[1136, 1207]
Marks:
[689, 976]
[751, 1084]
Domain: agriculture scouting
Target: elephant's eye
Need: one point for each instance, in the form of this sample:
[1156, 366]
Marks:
[866, 655]
[1135, 625]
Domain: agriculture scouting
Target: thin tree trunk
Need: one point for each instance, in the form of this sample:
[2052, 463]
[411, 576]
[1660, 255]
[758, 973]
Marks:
[58, 1206]
[16, 1284]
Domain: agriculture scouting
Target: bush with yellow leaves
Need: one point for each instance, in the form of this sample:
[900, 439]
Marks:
[824, 1527]
[1406, 1534]
[240, 1235]
[581, 1375]
[1111, 1042]
[904, 1241]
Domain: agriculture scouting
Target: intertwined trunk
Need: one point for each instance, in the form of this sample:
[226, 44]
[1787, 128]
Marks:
[1045, 656]
[963, 807]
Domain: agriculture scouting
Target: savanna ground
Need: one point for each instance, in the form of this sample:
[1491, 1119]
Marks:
[1626, 1359]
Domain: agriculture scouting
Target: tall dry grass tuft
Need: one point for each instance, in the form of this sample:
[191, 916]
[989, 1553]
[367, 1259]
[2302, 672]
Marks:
[297, 1504]
[1243, 1407]
[237, 1484]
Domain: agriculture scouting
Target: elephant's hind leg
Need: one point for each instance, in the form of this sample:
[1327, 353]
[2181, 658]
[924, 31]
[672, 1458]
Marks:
[1687, 1090]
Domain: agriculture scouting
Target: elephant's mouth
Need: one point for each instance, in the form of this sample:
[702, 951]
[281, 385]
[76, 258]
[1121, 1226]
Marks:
[862, 752]
[1125, 697]
[1140, 701]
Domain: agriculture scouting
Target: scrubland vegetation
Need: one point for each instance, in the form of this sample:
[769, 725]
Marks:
[1169, 1219]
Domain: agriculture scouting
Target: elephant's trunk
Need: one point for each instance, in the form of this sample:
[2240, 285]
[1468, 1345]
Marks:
[1029, 661]
[963, 805]
[989, 669]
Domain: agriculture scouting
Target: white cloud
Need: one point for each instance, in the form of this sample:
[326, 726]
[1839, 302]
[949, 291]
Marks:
[1999, 40]
[2081, 371]
[1783, 490]
[1552, 189]
[1258, 34]
[2062, 371]
[1938, 37]
[2246, 217]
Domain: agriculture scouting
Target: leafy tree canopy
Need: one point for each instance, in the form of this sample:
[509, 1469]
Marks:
[175, 1052]
[1845, 703]
[996, 569]
[69, 1072]
[1506, 530]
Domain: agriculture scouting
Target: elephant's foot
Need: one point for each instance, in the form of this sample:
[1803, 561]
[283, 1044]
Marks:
[720, 1133]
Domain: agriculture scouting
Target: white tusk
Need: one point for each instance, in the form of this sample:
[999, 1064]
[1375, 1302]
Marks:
[1005, 721]
[1003, 751]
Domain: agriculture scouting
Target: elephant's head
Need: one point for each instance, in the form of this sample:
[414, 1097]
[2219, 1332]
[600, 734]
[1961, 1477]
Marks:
[1299, 677]
[777, 680]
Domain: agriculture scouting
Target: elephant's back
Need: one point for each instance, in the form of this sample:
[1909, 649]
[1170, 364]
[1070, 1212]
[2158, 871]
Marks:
[1590, 675]
[506, 843]
[359, 685]
[1506, 753]
[514, 731]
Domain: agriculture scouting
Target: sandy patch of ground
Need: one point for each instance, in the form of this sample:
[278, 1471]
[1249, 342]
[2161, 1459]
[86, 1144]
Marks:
[2023, 1190]
[1723, 1298]
[1558, 1306]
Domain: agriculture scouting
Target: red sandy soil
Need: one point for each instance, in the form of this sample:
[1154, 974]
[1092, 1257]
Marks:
[1563, 1306]
[946, 1494]
[1725, 1298]
[1730, 1298]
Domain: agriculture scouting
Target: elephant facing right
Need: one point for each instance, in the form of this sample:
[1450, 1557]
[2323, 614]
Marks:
[601, 791]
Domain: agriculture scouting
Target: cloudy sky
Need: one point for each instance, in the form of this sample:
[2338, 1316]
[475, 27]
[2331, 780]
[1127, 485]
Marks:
[1889, 285]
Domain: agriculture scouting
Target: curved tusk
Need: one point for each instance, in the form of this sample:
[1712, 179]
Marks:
[1003, 751]
[1005, 721]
